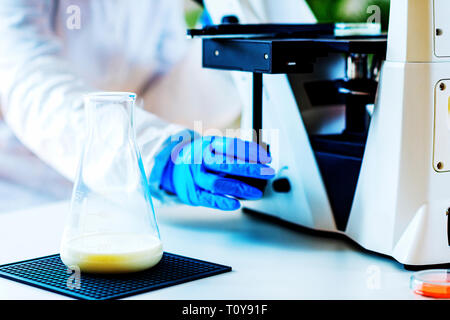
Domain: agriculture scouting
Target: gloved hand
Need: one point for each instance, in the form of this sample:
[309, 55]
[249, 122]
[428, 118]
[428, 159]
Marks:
[209, 172]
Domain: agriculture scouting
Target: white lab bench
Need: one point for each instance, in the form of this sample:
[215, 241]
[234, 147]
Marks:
[268, 261]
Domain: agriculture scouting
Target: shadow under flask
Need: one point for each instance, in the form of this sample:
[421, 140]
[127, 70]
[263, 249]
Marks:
[111, 226]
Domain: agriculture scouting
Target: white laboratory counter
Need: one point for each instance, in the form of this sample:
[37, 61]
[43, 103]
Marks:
[268, 261]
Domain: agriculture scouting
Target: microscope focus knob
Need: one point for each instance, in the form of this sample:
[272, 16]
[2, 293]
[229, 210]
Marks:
[230, 19]
[281, 185]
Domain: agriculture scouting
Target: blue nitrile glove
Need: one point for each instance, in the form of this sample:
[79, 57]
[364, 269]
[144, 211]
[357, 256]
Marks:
[207, 172]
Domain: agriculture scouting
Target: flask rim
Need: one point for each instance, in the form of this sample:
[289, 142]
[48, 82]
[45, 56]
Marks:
[111, 96]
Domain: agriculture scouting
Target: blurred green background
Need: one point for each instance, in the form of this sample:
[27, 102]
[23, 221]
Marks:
[325, 11]
[348, 10]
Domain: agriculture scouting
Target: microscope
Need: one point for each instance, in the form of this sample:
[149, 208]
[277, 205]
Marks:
[362, 119]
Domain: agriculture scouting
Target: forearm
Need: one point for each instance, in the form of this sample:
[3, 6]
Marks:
[48, 116]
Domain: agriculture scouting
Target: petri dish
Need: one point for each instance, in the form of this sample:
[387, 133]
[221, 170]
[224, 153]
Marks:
[432, 283]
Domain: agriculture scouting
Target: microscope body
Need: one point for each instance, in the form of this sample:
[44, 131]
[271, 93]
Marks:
[403, 196]
[387, 186]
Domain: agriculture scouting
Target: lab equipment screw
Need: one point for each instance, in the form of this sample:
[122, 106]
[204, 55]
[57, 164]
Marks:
[266, 56]
[216, 53]
[440, 165]
[439, 32]
[442, 86]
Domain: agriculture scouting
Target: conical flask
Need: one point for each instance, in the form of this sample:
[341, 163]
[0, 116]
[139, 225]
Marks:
[111, 226]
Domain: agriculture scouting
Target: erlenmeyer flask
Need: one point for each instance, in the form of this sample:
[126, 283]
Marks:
[112, 225]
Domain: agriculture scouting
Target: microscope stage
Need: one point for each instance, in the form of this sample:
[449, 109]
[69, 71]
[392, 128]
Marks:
[282, 55]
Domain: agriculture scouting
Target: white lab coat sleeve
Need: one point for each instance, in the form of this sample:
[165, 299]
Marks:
[42, 98]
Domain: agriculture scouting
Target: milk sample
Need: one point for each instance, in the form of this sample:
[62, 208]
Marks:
[112, 252]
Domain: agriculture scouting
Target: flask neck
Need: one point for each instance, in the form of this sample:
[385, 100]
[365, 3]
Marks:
[110, 116]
